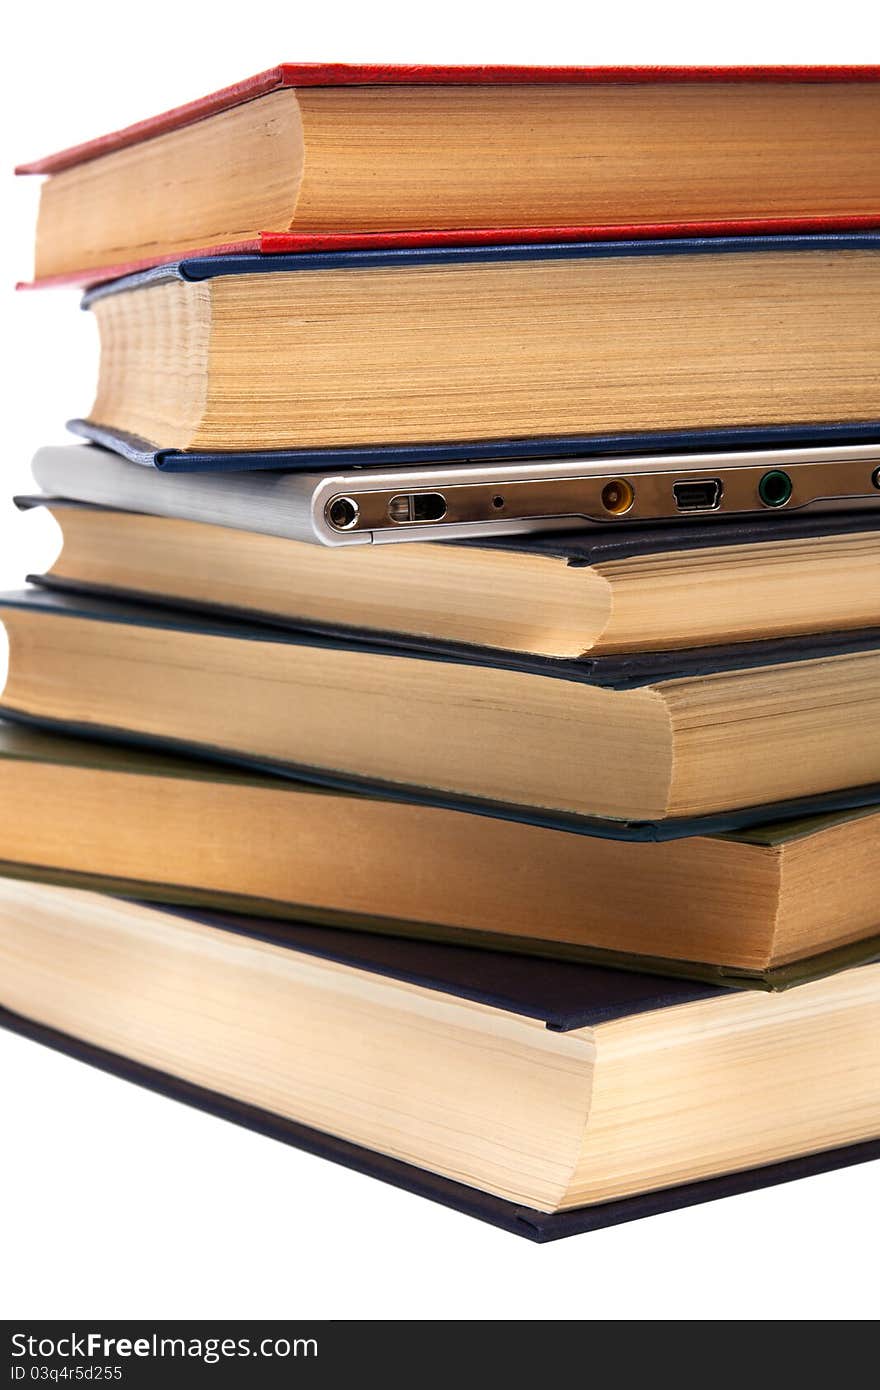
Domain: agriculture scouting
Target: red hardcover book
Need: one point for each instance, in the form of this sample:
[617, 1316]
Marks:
[660, 152]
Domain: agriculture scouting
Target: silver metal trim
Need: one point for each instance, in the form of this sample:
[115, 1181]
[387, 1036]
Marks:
[577, 498]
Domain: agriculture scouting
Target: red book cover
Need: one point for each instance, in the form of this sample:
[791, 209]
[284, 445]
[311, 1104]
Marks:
[370, 75]
[342, 75]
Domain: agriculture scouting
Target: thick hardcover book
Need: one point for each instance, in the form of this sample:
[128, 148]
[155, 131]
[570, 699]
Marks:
[519, 1220]
[422, 726]
[226, 543]
[481, 991]
[356, 434]
[569, 1000]
[634, 116]
[430, 74]
[766, 908]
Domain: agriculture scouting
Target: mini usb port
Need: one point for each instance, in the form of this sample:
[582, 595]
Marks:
[702, 496]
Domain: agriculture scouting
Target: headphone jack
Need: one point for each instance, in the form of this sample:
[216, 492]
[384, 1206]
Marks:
[775, 488]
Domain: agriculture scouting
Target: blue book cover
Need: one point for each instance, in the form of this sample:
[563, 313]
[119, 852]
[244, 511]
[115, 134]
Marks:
[591, 439]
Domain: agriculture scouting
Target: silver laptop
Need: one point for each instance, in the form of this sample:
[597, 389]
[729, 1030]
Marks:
[434, 503]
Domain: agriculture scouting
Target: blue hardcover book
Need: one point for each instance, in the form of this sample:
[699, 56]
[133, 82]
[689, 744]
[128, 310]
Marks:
[458, 353]
[654, 745]
[545, 1097]
[595, 591]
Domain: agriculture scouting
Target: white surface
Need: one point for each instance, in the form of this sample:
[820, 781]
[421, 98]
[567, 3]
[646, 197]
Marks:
[115, 1203]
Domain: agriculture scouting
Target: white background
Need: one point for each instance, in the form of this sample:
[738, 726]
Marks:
[116, 1203]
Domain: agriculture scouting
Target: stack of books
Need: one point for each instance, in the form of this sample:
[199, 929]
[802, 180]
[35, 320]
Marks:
[534, 869]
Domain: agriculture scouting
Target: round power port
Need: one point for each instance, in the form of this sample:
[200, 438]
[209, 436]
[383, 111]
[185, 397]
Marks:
[618, 496]
[342, 513]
